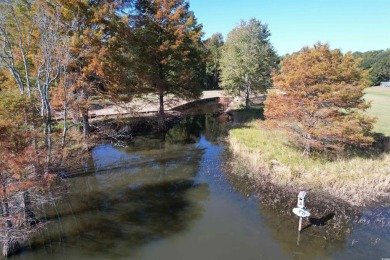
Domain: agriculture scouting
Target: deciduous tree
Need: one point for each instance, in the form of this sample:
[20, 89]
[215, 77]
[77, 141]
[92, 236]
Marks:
[248, 59]
[34, 48]
[377, 63]
[380, 71]
[167, 49]
[100, 44]
[213, 48]
[320, 100]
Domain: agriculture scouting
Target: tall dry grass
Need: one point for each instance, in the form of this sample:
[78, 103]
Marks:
[267, 154]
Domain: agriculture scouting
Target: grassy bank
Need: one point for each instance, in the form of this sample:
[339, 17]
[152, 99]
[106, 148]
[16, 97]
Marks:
[266, 156]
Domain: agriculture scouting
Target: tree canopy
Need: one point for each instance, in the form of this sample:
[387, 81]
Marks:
[167, 50]
[320, 100]
[248, 59]
[213, 48]
[377, 63]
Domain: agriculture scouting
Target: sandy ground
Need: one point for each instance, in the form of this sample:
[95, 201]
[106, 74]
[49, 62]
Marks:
[148, 105]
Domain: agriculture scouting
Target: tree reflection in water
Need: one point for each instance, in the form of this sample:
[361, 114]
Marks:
[129, 196]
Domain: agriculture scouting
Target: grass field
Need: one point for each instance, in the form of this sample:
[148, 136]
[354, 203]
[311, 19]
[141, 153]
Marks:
[380, 108]
[266, 154]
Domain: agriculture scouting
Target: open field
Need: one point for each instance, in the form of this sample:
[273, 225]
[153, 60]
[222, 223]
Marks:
[380, 108]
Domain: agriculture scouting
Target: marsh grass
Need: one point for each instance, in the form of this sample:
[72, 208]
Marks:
[358, 180]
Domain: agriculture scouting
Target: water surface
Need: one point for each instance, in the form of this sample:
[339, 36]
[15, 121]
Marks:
[171, 200]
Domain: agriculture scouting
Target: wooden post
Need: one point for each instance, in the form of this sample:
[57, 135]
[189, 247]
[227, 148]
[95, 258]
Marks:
[300, 224]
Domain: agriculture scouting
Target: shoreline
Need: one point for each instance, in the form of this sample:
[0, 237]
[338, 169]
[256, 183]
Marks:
[358, 182]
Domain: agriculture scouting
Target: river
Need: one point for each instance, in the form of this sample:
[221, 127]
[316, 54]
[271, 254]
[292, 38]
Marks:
[172, 200]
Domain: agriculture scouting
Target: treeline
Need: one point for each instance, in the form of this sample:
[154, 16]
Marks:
[377, 63]
[56, 54]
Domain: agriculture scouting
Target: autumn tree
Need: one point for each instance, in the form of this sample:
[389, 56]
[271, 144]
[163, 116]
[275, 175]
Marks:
[320, 100]
[248, 59]
[167, 49]
[213, 47]
[100, 43]
[34, 48]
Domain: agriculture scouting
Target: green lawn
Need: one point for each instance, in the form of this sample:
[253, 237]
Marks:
[380, 108]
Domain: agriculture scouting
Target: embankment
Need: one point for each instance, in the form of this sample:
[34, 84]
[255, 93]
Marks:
[266, 157]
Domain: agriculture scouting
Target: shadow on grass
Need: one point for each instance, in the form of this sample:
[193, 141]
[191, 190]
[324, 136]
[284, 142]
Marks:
[242, 116]
[380, 147]
[382, 142]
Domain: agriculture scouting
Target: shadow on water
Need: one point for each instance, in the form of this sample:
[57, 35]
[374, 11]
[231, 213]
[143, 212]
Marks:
[128, 197]
[116, 224]
[116, 199]
[319, 221]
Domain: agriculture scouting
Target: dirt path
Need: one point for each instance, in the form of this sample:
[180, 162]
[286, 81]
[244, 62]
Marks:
[148, 105]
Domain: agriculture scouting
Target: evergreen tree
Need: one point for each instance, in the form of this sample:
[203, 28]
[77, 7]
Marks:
[248, 59]
[213, 48]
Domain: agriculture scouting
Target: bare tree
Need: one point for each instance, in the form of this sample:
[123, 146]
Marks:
[51, 61]
[33, 34]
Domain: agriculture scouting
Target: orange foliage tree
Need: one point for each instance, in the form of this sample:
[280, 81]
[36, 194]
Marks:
[100, 45]
[320, 100]
[167, 53]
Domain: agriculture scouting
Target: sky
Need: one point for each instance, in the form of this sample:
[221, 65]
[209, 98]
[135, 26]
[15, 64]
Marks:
[349, 25]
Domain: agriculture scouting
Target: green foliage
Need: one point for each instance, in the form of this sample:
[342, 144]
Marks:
[377, 63]
[248, 59]
[213, 47]
[369, 58]
[380, 71]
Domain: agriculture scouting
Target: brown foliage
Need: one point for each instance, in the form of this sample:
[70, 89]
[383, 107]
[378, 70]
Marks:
[320, 100]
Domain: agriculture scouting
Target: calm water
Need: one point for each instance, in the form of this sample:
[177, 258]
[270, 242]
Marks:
[171, 200]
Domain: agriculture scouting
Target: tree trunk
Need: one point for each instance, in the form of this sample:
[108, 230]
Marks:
[65, 129]
[28, 209]
[161, 114]
[48, 141]
[10, 245]
[84, 113]
[307, 149]
[247, 106]
[86, 128]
